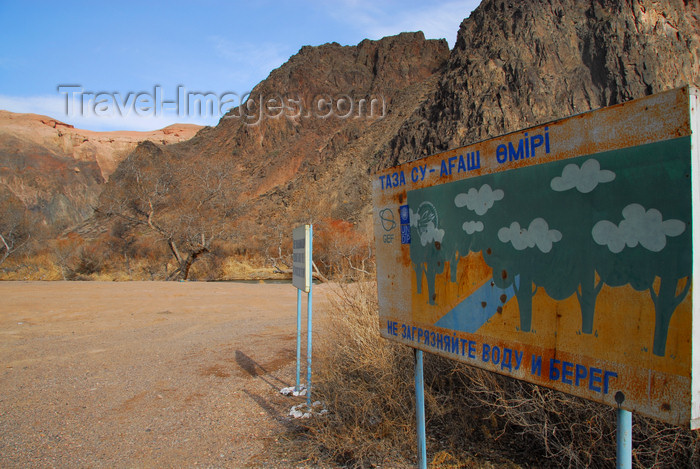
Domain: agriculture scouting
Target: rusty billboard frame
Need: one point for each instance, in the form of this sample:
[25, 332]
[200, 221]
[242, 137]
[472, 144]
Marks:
[581, 211]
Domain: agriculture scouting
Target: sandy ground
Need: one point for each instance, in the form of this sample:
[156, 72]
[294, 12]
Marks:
[147, 374]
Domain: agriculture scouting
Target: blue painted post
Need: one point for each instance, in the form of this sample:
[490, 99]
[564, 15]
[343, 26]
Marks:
[309, 314]
[624, 439]
[296, 388]
[420, 410]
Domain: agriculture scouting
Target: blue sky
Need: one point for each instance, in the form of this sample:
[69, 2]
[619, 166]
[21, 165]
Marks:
[207, 46]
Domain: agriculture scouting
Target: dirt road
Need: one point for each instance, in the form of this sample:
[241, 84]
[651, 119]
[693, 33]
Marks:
[147, 374]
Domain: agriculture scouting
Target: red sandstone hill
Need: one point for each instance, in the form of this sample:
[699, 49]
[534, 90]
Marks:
[58, 170]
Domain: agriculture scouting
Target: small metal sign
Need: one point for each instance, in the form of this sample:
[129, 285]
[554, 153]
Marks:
[301, 253]
[561, 255]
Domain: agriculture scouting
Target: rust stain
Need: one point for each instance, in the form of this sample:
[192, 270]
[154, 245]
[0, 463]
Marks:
[616, 127]
[406, 258]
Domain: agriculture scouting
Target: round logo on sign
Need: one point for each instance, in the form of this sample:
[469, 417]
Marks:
[387, 217]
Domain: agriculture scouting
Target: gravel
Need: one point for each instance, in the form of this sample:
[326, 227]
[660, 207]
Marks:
[147, 374]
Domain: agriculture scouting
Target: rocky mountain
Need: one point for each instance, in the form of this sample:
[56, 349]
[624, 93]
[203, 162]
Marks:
[303, 143]
[521, 63]
[515, 64]
[57, 170]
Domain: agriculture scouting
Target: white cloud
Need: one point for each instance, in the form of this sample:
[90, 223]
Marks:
[252, 61]
[430, 233]
[55, 107]
[380, 19]
[471, 227]
[639, 226]
[537, 234]
[584, 179]
[480, 201]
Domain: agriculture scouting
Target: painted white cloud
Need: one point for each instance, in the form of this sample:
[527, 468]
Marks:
[472, 227]
[413, 217]
[583, 179]
[537, 234]
[639, 226]
[480, 201]
[430, 233]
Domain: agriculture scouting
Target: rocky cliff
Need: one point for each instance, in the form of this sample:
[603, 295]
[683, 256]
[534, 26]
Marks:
[521, 63]
[305, 143]
[302, 144]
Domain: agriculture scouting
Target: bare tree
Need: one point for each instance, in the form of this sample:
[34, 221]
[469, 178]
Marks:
[187, 202]
[15, 224]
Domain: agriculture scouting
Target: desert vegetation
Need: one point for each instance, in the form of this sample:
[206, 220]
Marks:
[167, 214]
[474, 418]
[120, 256]
[178, 246]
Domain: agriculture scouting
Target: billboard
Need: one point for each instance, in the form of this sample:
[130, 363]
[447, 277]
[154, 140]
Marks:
[560, 255]
[301, 258]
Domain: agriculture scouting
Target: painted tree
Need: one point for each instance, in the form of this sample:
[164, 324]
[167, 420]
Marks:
[518, 258]
[647, 233]
[427, 254]
[513, 252]
[649, 247]
[579, 195]
[478, 201]
[439, 234]
[517, 240]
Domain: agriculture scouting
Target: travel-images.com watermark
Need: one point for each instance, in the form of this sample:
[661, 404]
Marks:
[251, 109]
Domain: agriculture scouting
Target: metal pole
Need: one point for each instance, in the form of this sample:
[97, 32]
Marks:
[298, 338]
[309, 314]
[420, 410]
[624, 439]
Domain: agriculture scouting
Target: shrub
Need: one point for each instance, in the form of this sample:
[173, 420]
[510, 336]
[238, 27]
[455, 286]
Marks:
[474, 418]
[364, 380]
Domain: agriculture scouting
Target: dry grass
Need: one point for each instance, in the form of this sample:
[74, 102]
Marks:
[40, 266]
[247, 268]
[79, 261]
[474, 418]
[365, 380]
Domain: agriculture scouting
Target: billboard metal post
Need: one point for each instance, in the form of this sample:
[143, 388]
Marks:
[624, 439]
[309, 316]
[298, 338]
[420, 409]
[302, 279]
